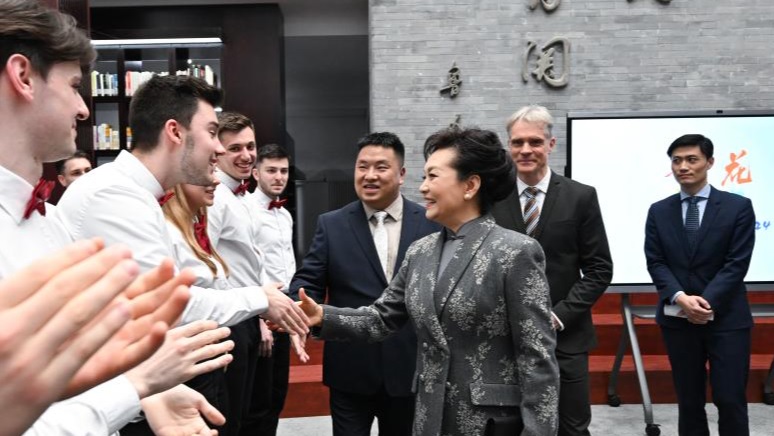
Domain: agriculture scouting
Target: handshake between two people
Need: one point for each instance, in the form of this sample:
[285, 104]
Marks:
[309, 311]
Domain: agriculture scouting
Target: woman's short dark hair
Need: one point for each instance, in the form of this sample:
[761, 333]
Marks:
[479, 152]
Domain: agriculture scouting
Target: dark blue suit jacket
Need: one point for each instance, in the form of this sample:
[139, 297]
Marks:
[714, 269]
[343, 260]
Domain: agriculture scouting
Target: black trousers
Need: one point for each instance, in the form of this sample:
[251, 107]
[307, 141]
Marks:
[353, 414]
[728, 354]
[574, 402]
[270, 387]
[240, 373]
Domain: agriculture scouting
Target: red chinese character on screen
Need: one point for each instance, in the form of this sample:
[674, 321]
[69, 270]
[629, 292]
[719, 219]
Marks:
[735, 171]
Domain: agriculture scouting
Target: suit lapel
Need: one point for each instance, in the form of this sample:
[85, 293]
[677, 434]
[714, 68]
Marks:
[408, 230]
[675, 220]
[710, 212]
[554, 190]
[515, 214]
[459, 262]
[358, 222]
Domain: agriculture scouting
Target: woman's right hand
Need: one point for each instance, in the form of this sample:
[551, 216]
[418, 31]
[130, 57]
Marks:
[310, 307]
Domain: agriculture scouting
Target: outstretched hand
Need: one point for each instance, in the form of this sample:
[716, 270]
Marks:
[299, 346]
[283, 312]
[188, 351]
[56, 314]
[181, 411]
[155, 299]
[310, 307]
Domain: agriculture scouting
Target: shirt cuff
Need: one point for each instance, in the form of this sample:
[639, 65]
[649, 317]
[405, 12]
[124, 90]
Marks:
[674, 296]
[103, 409]
[558, 322]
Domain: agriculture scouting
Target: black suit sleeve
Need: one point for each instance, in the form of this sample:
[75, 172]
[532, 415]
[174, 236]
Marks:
[594, 259]
[313, 274]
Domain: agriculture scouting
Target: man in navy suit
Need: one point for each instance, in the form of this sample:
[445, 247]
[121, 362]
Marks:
[698, 246]
[567, 222]
[367, 380]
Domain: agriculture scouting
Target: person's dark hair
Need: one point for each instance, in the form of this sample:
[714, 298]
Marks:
[271, 151]
[79, 154]
[384, 139]
[690, 140]
[44, 35]
[233, 122]
[479, 152]
[164, 98]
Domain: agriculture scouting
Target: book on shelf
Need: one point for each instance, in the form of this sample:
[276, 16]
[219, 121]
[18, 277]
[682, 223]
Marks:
[104, 84]
[203, 72]
[105, 137]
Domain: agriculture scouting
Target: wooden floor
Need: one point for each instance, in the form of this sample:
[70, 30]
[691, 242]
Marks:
[308, 397]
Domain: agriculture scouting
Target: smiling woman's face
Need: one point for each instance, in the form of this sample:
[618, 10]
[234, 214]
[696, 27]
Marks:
[442, 190]
[199, 196]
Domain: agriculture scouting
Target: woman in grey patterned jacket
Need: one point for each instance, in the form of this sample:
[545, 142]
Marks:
[477, 297]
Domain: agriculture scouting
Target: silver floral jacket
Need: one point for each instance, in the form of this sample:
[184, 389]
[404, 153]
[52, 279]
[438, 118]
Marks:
[488, 350]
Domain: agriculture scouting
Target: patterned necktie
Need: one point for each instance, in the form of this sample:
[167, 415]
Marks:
[531, 210]
[692, 220]
[380, 238]
[241, 189]
[277, 203]
[38, 199]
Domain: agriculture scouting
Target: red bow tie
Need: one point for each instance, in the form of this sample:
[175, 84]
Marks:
[277, 203]
[200, 231]
[241, 189]
[38, 198]
[165, 198]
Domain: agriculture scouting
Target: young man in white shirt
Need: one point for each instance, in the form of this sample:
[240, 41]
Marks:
[41, 56]
[175, 128]
[231, 226]
[274, 227]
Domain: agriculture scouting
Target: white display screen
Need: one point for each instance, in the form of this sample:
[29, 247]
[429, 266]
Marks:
[624, 158]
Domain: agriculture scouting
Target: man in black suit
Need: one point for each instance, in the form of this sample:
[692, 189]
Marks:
[564, 216]
[353, 256]
[698, 245]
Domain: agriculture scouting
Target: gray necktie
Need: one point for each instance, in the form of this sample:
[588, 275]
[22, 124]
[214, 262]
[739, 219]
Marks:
[531, 210]
[380, 239]
[692, 220]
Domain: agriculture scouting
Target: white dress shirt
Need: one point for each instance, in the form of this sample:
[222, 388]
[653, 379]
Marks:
[236, 303]
[105, 408]
[119, 202]
[232, 233]
[185, 258]
[274, 235]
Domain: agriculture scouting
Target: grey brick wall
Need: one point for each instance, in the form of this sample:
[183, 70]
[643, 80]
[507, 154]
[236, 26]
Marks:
[639, 55]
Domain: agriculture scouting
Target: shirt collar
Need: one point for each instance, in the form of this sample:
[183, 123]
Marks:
[463, 230]
[230, 182]
[703, 193]
[262, 198]
[139, 173]
[542, 185]
[14, 194]
[395, 210]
